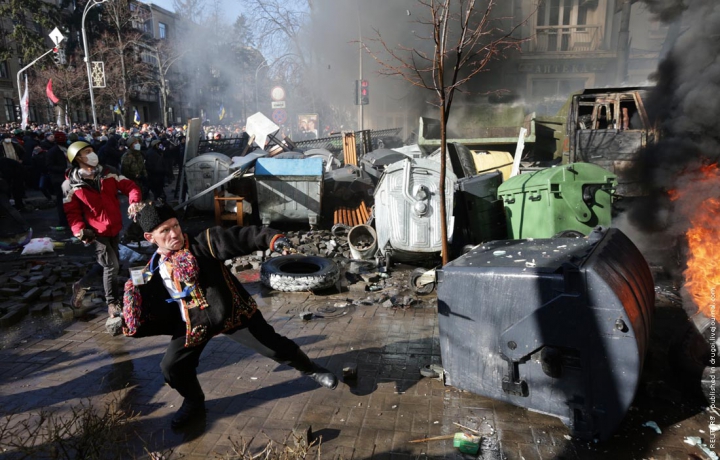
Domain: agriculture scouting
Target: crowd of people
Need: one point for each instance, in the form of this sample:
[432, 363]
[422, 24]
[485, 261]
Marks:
[36, 158]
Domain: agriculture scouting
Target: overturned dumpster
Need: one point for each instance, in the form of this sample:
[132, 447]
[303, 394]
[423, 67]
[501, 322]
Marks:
[560, 326]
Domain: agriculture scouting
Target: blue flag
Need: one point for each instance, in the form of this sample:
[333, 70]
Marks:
[137, 117]
[221, 112]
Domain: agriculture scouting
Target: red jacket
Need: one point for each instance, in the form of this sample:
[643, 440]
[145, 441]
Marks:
[85, 206]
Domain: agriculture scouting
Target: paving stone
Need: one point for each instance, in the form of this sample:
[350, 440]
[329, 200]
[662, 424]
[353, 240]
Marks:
[13, 315]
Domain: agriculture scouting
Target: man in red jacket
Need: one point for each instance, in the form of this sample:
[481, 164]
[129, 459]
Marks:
[93, 212]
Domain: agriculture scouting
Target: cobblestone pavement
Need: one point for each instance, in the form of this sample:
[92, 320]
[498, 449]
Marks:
[253, 399]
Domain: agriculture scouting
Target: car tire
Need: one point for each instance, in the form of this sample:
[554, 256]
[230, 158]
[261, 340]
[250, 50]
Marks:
[417, 288]
[297, 273]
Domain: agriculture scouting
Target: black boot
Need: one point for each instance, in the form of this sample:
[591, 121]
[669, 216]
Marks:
[304, 364]
[191, 410]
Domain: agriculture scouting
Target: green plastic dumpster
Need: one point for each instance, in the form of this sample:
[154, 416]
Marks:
[575, 197]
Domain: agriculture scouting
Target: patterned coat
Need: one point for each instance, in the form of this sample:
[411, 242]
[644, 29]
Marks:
[216, 303]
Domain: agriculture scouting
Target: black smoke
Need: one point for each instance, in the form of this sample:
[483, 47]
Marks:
[685, 106]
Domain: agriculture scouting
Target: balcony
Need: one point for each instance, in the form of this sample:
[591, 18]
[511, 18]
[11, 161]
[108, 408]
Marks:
[566, 39]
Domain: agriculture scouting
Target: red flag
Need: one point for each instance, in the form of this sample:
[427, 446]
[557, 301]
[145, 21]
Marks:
[49, 92]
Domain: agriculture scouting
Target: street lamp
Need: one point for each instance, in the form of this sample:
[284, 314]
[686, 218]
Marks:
[89, 5]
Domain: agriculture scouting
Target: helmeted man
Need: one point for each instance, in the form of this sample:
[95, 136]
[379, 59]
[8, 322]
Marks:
[92, 209]
[187, 292]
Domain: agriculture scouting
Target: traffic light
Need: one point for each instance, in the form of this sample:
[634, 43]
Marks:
[364, 92]
[59, 56]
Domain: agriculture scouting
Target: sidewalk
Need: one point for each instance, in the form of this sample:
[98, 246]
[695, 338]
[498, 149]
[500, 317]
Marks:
[252, 398]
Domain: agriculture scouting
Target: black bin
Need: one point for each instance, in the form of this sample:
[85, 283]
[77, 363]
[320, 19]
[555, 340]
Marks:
[559, 326]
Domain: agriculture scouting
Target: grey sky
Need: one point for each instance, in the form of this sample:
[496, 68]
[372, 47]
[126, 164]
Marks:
[232, 8]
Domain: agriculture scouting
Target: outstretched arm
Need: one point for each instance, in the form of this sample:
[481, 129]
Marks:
[226, 243]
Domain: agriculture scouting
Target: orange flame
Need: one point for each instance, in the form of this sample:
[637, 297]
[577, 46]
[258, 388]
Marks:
[702, 275]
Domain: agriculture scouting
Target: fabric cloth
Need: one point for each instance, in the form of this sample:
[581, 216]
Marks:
[217, 303]
[94, 202]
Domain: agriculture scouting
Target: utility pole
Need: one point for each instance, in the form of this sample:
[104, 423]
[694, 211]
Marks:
[623, 51]
[361, 112]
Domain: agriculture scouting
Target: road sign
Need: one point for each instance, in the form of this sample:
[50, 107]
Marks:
[278, 104]
[279, 116]
[277, 93]
[56, 36]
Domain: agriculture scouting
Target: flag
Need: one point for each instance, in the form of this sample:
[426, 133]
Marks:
[67, 116]
[25, 105]
[221, 112]
[116, 109]
[49, 92]
[136, 119]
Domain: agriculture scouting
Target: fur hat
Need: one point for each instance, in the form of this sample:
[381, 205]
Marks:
[154, 214]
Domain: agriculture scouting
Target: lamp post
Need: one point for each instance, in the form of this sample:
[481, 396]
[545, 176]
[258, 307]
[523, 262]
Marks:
[89, 5]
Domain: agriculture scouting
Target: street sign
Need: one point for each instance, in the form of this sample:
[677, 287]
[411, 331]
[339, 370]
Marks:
[56, 36]
[278, 104]
[279, 116]
[277, 93]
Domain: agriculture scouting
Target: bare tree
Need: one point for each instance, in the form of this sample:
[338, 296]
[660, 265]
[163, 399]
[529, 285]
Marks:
[124, 21]
[465, 38]
[166, 55]
[69, 84]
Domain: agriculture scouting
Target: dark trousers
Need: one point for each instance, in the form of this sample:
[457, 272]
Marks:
[179, 365]
[57, 191]
[107, 251]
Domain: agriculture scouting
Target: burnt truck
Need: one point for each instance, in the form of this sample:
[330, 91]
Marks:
[604, 126]
[609, 127]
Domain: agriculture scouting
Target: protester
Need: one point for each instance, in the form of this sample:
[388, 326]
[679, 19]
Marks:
[93, 211]
[187, 292]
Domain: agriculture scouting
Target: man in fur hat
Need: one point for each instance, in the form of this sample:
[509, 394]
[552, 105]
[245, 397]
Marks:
[187, 292]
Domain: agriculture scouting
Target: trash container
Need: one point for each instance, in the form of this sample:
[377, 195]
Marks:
[479, 213]
[541, 204]
[204, 171]
[407, 210]
[289, 190]
[560, 326]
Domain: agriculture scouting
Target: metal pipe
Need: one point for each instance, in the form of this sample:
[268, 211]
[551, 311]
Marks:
[87, 57]
[24, 69]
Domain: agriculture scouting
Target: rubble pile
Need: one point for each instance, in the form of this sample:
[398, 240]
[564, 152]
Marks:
[368, 283]
[38, 287]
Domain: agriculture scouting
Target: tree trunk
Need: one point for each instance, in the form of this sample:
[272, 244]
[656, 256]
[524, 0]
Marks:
[125, 112]
[443, 166]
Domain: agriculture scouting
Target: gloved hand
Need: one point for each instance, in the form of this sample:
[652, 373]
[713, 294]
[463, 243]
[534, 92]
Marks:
[282, 244]
[133, 209]
[86, 235]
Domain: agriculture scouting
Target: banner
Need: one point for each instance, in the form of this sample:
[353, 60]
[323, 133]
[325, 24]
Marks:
[25, 106]
[49, 93]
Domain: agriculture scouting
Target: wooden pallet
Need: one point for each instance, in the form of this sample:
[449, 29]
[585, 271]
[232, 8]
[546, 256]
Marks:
[351, 216]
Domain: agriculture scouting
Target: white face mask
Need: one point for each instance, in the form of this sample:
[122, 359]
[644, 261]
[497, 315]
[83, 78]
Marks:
[91, 159]
[136, 146]
[7, 140]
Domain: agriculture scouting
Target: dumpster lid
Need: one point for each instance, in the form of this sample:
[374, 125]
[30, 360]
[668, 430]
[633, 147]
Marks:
[289, 167]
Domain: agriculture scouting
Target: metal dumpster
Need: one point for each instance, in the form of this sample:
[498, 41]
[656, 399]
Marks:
[407, 210]
[559, 326]
[289, 190]
[204, 171]
[479, 213]
[575, 197]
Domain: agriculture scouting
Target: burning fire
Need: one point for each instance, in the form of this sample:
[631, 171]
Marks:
[702, 275]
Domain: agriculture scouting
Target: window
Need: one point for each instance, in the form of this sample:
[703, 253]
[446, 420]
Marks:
[559, 25]
[9, 110]
[4, 70]
[162, 30]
